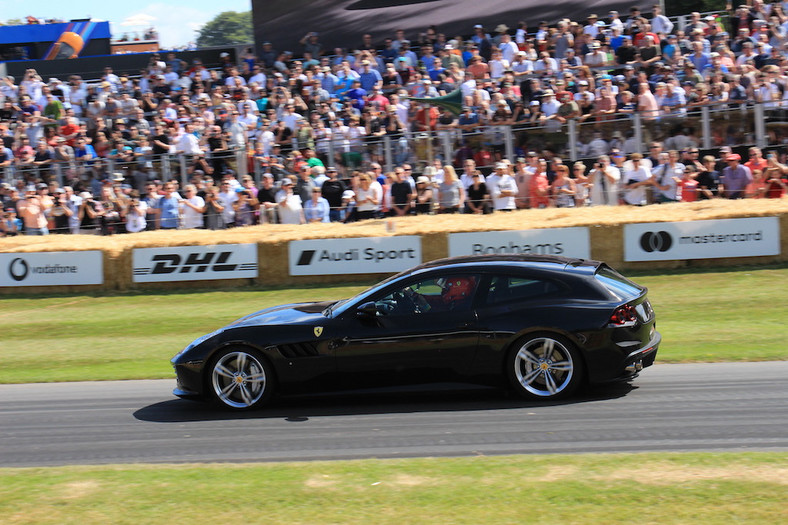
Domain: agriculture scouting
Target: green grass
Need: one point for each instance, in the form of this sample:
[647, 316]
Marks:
[709, 488]
[728, 315]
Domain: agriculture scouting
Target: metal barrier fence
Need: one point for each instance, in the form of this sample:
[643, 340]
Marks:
[162, 167]
[708, 126]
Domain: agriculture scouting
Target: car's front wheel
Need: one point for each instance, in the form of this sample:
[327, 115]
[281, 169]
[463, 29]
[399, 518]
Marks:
[544, 366]
[240, 378]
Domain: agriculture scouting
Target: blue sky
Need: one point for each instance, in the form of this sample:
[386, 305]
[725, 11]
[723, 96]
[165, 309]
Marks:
[176, 21]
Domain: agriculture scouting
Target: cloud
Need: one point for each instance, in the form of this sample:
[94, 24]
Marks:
[178, 23]
[141, 20]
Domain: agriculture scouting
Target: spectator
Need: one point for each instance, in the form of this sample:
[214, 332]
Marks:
[316, 208]
[168, 207]
[136, 214]
[604, 180]
[451, 194]
[213, 211]
[290, 207]
[734, 178]
[191, 208]
[32, 211]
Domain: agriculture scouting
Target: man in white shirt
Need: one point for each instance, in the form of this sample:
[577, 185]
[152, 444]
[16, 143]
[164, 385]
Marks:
[505, 192]
[660, 24]
[192, 207]
[636, 178]
[469, 168]
[228, 195]
[258, 77]
[188, 143]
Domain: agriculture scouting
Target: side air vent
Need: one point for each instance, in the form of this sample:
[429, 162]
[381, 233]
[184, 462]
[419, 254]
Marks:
[296, 350]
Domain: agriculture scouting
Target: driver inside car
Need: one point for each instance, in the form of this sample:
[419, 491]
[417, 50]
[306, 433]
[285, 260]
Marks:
[456, 292]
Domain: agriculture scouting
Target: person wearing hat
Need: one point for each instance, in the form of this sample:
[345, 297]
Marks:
[636, 179]
[596, 57]
[290, 206]
[88, 214]
[423, 196]
[734, 178]
[591, 29]
[503, 188]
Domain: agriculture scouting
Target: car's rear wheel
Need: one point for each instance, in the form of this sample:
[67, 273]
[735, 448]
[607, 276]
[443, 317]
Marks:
[544, 366]
[240, 378]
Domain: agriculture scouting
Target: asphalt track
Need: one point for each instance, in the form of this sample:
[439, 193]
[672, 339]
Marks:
[714, 407]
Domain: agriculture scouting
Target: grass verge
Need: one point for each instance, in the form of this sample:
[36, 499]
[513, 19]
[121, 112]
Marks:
[675, 488]
[725, 315]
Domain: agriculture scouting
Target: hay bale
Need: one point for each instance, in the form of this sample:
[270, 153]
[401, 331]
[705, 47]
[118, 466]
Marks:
[605, 223]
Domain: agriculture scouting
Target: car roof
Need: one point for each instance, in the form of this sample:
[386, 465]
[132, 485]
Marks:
[556, 263]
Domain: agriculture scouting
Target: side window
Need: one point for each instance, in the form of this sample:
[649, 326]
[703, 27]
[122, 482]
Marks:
[511, 288]
[441, 294]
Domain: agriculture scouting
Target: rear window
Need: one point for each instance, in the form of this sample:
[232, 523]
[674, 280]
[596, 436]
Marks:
[621, 287]
[507, 288]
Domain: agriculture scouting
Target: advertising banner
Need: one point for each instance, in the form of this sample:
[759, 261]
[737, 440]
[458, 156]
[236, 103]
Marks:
[194, 263]
[51, 268]
[664, 241]
[354, 256]
[569, 242]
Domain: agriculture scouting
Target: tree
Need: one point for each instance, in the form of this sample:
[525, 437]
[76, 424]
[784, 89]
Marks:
[226, 29]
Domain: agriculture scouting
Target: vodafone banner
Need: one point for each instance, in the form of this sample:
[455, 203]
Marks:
[51, 268]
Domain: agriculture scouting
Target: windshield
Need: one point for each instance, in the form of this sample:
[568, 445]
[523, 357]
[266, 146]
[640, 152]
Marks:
[340, 306]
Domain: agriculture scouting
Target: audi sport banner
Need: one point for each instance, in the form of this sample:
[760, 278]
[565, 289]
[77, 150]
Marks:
[663, 241]
[354, 256]
[570, 242]
[194, 263]
[51, 268]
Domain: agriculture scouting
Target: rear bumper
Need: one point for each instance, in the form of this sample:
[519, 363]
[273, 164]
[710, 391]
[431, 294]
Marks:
[637, 360]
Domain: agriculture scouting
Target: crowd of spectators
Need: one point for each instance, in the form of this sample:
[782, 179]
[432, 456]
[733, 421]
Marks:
[81, 157]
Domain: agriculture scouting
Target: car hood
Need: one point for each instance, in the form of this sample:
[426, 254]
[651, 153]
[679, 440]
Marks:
[296, 313]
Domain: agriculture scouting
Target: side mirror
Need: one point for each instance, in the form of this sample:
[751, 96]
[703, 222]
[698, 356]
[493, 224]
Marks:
[367, 310]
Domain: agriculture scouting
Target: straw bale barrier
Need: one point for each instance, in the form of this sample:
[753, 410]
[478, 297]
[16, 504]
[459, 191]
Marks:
[605, 224]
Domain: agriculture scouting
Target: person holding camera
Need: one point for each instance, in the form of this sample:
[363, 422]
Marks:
[192, 207]
[136, 213]
[88, 214]
[61, 212]
[245, 208]
[213, 208]
[31, 211]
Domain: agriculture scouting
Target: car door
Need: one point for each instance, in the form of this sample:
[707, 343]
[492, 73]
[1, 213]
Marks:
[422, 330]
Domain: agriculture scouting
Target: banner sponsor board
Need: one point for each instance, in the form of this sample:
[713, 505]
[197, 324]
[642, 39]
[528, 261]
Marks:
[664, 241]
[51, 268]
[194, 263]
[354, 256]
[570, 242]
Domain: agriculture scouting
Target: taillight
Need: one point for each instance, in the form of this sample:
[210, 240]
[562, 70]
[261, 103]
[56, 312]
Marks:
[624, 315]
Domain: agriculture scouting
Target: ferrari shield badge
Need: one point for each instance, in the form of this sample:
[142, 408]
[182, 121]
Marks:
[318, 331]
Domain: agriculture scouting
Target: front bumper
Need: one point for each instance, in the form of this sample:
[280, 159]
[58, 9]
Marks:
[189, 380]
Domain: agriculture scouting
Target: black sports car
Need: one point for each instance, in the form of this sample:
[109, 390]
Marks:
[542, 324]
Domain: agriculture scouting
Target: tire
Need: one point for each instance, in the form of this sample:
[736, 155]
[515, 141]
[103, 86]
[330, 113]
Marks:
[544, 366]
[240, 378]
